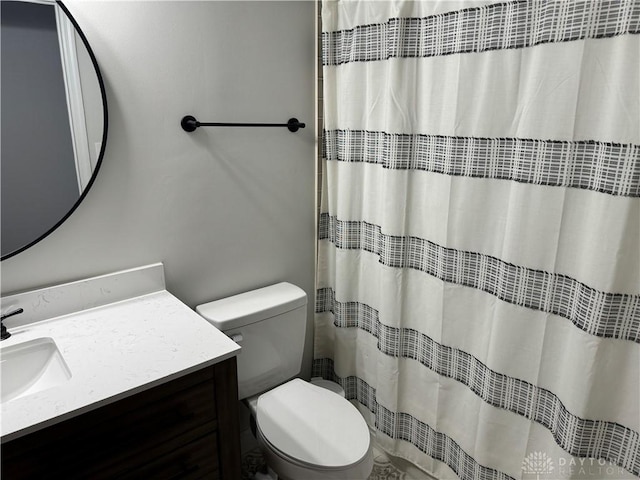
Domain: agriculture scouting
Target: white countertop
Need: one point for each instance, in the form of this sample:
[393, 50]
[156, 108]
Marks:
[114, 351]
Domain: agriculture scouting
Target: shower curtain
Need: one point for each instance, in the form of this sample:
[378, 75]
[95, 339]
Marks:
[478, 285]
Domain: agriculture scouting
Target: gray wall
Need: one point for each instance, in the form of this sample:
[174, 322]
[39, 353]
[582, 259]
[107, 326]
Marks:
[39, 183]
[226, 210]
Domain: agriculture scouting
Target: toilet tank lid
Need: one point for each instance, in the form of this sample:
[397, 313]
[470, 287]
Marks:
[254, 306]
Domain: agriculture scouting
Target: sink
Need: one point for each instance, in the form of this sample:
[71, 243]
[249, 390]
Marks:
[30, 367]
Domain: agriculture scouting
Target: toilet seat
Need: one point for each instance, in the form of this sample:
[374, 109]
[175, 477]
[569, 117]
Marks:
[312, 427]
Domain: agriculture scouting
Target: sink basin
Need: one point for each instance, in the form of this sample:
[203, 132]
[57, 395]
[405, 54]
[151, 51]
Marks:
[31, 367]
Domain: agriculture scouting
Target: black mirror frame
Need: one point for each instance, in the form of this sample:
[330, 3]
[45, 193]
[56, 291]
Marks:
[102, 147]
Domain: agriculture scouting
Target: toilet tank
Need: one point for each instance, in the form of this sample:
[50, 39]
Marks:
[269, 324]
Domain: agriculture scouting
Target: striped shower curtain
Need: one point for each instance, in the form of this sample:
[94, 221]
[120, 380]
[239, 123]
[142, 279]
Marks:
[478, 286]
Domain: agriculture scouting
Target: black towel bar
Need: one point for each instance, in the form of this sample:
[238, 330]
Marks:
[189, 124]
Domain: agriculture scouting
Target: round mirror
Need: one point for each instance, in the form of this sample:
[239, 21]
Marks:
[53, 124]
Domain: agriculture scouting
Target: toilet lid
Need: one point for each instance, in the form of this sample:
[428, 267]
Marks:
[313, 425]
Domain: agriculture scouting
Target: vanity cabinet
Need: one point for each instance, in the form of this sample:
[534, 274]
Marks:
[185, 428]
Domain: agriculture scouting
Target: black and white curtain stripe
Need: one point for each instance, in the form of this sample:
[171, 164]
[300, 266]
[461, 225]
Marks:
[604, 314]
[599, 166]
[505, 25]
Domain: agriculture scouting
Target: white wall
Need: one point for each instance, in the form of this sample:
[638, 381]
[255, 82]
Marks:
[226, 210]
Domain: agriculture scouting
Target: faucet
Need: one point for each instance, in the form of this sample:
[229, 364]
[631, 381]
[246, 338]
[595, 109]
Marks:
[4, 334]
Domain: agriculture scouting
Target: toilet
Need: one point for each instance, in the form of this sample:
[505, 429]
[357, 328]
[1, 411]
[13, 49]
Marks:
[306, 430]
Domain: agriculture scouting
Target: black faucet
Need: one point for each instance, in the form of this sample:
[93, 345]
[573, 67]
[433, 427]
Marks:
[4, 334]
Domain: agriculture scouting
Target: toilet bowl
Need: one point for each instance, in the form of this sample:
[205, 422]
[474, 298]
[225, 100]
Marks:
[306, 431]
[328, 384]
